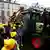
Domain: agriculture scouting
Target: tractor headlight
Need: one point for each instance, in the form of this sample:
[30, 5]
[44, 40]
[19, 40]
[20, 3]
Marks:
[39, 27]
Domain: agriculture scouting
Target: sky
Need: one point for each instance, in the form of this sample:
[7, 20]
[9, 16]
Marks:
[45, 3]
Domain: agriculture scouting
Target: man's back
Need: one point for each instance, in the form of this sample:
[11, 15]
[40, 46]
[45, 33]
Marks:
[1, 42]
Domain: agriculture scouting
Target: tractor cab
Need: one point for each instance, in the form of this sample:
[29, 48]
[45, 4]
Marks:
[33, 29]
[32, 22]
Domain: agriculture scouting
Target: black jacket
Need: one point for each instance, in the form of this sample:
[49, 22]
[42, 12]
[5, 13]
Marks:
[1, 41]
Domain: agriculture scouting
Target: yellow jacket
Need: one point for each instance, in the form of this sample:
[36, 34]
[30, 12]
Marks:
[9, 44]
[4, 48]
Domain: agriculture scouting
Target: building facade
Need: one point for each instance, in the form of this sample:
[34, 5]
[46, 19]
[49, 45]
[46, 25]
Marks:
[7, 8]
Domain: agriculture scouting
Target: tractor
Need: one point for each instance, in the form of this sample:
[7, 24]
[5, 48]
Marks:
[33, 37]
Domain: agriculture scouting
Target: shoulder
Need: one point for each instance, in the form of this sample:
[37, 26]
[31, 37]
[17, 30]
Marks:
[3, 48]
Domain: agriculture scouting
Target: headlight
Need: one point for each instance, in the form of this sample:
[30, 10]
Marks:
[39, 27]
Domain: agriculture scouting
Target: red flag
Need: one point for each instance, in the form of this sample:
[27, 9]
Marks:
[36, 42]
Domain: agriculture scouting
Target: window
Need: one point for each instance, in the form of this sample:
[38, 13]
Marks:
[2, 13]
[34, 16]
[3, 19]
[8, 13]
[37, 17]
[1, 5]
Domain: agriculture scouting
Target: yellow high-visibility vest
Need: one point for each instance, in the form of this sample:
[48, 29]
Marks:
[1, 25]
[13, 34]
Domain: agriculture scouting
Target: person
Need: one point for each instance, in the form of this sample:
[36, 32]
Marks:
[1, 38]
[7, 31]
[12, 17]
[13, 35]
[9, 44]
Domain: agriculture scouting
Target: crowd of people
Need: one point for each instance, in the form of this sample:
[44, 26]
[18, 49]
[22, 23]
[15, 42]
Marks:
[10, 34]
